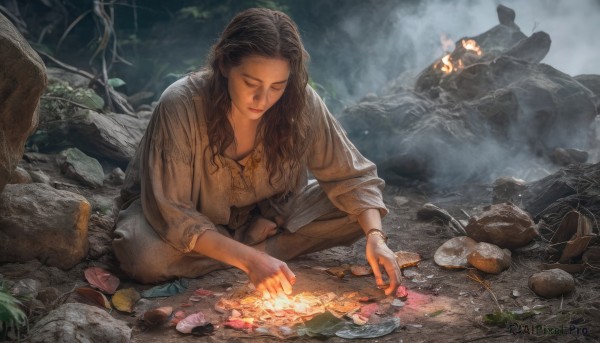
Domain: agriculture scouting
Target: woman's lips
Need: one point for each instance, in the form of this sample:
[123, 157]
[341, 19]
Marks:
[254, 110]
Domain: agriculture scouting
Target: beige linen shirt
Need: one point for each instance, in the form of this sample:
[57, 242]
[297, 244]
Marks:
[183, 193]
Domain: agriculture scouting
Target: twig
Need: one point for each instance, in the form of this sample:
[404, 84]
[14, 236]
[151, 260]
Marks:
[68, 30]
[123, 106]
[473, 276]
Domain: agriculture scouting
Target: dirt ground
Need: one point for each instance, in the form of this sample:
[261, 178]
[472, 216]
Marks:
[442, 305]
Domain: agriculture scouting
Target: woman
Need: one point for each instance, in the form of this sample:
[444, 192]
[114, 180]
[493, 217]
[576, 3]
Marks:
[221, 175]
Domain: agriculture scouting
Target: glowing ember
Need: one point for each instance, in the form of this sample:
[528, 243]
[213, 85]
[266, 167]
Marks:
[286, 310]
[447, 66]
[471, 45]
[301, 304]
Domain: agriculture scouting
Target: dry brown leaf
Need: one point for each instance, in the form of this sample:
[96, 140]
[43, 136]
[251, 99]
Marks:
[102, 279]
[157, 316]
[407, 259]
[339, 272]
[93, 296]
[124, 299]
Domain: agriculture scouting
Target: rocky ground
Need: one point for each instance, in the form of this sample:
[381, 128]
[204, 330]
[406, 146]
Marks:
[449, 305]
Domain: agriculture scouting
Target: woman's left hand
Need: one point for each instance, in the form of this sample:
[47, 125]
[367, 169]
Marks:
[379, 254]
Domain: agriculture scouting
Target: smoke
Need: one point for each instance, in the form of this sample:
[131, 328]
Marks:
[407, 38]
[413, 40]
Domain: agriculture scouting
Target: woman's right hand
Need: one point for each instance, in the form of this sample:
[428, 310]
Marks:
[270, 276]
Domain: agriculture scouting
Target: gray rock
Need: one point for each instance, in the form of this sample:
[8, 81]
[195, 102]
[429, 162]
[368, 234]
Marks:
[22, 81]
[75, 322]
[507, 189]
[504, 225]
[101, 204]
[117, 176]
[26, 288]
[453, 253]
[110, 136]
[38, 221]
[20, 175]
[551, 283]
[39, 176]
[78, 166]
[489, 258]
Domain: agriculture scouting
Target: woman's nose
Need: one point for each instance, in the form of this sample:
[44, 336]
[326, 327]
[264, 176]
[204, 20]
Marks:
[261, 96]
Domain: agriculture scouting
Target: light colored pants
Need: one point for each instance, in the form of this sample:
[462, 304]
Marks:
[145, 257]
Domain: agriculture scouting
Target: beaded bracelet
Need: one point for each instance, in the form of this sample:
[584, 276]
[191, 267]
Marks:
[378, 232]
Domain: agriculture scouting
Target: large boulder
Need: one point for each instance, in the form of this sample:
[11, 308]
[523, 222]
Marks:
[504, 225]
[494, 113]
[75, 322]
[38, 221]
[106, 136]
[22, 81]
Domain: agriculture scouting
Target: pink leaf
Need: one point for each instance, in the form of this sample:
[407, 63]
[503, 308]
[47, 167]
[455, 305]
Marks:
[102, 279]
[188, 323]
[401, 292]
[367, 310]
[239, 324]
[203, 292]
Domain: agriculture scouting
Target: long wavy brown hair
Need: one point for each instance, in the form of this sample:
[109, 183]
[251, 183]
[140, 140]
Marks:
[283, 129]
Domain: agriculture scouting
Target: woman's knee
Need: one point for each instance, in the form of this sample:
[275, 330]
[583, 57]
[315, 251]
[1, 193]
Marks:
[140, 263]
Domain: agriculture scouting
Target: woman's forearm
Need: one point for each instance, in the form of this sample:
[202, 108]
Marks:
[370, 219]
[219, 247]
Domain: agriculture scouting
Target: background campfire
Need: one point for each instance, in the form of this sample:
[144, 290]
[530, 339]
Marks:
[487, 109]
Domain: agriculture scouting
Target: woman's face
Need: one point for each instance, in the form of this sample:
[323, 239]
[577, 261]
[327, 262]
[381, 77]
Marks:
[256, 85]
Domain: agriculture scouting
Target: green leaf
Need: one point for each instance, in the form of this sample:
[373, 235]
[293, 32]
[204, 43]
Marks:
[166, 289]
[92, 100]
[11, 315]
[435, 313]
[116, 82]
[501, 318]
[322, 325]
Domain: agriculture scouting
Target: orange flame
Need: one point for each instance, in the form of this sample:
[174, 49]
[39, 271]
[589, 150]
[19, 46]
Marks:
[447, 65]
[471, 45]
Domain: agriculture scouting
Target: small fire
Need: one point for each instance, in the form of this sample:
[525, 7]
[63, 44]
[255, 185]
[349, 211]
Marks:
[471, 45]
[300, 304]
[447, 64]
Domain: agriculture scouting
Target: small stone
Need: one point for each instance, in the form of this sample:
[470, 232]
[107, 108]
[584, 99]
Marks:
[489, 258]
[453, 253]
[551, 283]
[117, 176]
[399, 200]
[20, 175]
[397, 303]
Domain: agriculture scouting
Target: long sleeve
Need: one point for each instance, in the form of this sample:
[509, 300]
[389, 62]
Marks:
[347, 177]
[167, 170]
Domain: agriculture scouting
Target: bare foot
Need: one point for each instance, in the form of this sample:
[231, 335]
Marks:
[259, 230]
